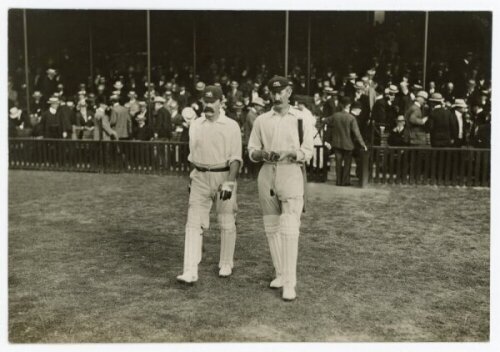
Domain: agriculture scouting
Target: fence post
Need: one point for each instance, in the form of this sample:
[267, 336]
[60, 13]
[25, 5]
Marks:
[365, 157]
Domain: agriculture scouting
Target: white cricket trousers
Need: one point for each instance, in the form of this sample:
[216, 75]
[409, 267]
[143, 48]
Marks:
[204, 192]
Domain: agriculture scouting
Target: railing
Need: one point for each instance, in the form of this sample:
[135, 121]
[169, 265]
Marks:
[125, 156]
[428, 166]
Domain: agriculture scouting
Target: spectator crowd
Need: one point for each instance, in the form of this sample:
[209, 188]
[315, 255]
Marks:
[388, 101]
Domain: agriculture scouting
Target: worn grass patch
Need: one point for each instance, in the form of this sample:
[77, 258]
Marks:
[93, 258]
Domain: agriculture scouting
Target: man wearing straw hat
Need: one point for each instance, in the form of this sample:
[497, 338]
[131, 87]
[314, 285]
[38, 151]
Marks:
[415, 122]
[284, 142]
[459, 109]
[216, 163]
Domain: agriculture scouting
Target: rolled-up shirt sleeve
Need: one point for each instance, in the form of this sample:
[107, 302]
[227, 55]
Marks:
[306, 149]
[255, 141]
[236, 146]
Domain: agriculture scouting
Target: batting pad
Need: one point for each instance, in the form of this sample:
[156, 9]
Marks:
[289, 233]
[272, 229]
[228, 239]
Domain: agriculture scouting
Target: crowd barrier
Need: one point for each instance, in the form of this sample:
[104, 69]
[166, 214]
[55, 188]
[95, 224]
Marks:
[156, 157]
[428, 166]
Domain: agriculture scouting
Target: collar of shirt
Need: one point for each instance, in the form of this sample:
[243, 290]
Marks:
[290, 111]
[52, 110]
[223, 119]
[417, 104]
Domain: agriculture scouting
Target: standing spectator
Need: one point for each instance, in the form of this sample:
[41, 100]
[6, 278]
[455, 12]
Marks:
[163, 122]
[317, 107]
[471, 94]
[101, 95]
[37, 106]
[341, 127]
[397, 135]
[49, 83]
[364, 116]
[482, 133]
[350, 86]
[254, 93]
[68, 117]
[183, 97]
[378, 118]
[391, 108]
[142, 131]
[459, 109]
[403, 98]
[256, 108]
[237, 113]
[84, 121]
[188, 116]
[102, 127]
[12, 94]
[331, 103]
[234, 95]
[52, 122]
[415, 121]
[120, 119]
[132, 105]
[19, 124]
[197, 100]
[440, 122]
[61, 94]
[449, 94]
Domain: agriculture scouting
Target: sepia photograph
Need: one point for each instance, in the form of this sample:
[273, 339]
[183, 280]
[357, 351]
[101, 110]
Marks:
[247, 175]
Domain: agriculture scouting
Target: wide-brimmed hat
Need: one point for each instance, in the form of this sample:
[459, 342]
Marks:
[51, 71]
[423, 94]
[238, 105]
[53, 100]
[371, 72]
[393, 89]
[352, 75]
[258, 101]
[436, 97]
[82, 92]
[118, 85]
[459, 103]
[15, 113]
[328, 90]
[37, 94]
[132, 94]
[188, 114]
[417, 86]
[359, 85]
[142, 103]
[160, 100]
[200, 86]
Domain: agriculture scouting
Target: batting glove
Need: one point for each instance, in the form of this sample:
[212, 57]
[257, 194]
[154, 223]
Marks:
[226, 190]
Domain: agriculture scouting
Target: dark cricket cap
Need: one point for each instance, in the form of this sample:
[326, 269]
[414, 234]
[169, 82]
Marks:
[277, 83]
[212, 94]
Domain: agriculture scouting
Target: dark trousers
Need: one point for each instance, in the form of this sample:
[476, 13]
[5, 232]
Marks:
[343, 166]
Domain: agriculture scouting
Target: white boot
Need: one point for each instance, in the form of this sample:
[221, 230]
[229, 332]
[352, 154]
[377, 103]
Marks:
[192, 246]
[272, 227]
[289, 232]
[227, 245]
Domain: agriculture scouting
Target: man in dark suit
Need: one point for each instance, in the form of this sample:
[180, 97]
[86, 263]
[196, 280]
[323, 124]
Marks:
[121, 121]
[331, 104]
[49, 83]
[350, 86]
[341, 126]
[440, 122]
[378, 118]
[415, 121]
[233, 96]
[52, 123]
[163, 120]
[364, 116]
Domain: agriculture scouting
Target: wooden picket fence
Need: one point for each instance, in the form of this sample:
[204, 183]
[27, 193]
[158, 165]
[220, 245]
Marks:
[429, 166]
[156, 157]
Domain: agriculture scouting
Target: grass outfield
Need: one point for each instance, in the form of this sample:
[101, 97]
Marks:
[93, 258]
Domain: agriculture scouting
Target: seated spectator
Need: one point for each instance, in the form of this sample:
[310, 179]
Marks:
[398, 135]
[36, 104]
[458, 132]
